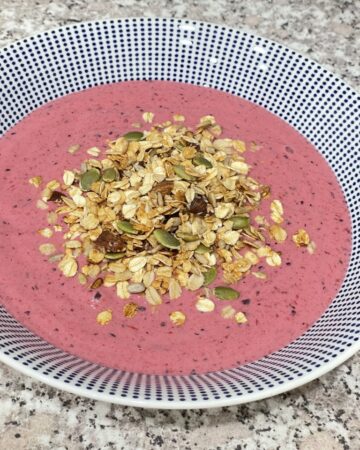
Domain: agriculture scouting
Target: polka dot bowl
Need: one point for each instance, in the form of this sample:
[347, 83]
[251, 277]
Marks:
[319, 105]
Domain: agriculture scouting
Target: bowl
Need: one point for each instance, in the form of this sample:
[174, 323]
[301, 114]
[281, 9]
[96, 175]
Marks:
[315, 102]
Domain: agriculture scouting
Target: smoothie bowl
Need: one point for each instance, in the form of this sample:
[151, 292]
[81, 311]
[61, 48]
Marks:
[179, 219]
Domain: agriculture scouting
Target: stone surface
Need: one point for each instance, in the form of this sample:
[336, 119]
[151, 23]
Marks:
[323, 414]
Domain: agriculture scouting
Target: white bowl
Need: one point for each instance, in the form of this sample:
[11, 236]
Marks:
[315, 102]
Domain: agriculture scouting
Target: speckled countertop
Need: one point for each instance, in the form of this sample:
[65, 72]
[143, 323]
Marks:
[325, 413]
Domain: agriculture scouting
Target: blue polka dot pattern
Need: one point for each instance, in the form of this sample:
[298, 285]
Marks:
[314, 101]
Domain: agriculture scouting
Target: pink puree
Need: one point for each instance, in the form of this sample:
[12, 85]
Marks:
[64, 312]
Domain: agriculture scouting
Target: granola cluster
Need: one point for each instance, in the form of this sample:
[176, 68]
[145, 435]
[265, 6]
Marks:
[162, 212]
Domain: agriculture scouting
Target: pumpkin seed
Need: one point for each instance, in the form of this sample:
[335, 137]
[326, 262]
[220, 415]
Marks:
[114, 256]
[126, 227]
[166, 239]
[201, 249]
[181, 172]
[226, 293]
[210, 276]
[110, 174]
[188, 237]
[88, 178]
[240, 222]
[201, 161]
[134, 136]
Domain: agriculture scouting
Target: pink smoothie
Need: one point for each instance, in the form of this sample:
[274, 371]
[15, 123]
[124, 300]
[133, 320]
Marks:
[63, 312]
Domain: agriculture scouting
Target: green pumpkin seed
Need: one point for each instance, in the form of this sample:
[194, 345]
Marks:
[201, 249]
[126, 227]
[88, 178]
[110, 174]
[114, 256]
[201, 161]
[240, 222]
[166, 239]
[210, 276]
[226, 293]
[181, 172]
[188, 237]
[134, 136]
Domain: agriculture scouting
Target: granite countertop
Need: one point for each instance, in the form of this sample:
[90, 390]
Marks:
[323, 414]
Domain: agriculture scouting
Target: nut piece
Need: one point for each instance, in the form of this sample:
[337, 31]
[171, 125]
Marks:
[130, 310]
[177, 318]
[104, 317]
[97, 283]
[205, 305]
[164, 187]
[301, 238]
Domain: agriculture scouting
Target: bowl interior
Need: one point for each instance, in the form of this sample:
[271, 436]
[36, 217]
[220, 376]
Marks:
[319, 105]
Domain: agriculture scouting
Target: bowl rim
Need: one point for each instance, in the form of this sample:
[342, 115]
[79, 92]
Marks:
[165, 404]
[199, 404]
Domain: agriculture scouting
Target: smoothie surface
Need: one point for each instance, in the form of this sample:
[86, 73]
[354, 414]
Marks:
[64, 312]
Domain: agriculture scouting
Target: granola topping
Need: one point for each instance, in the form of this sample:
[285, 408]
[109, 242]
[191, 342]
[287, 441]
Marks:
[160, 212]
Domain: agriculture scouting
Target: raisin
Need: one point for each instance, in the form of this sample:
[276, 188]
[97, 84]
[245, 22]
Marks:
[198, 205]
[56, 197]
[111, 242]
